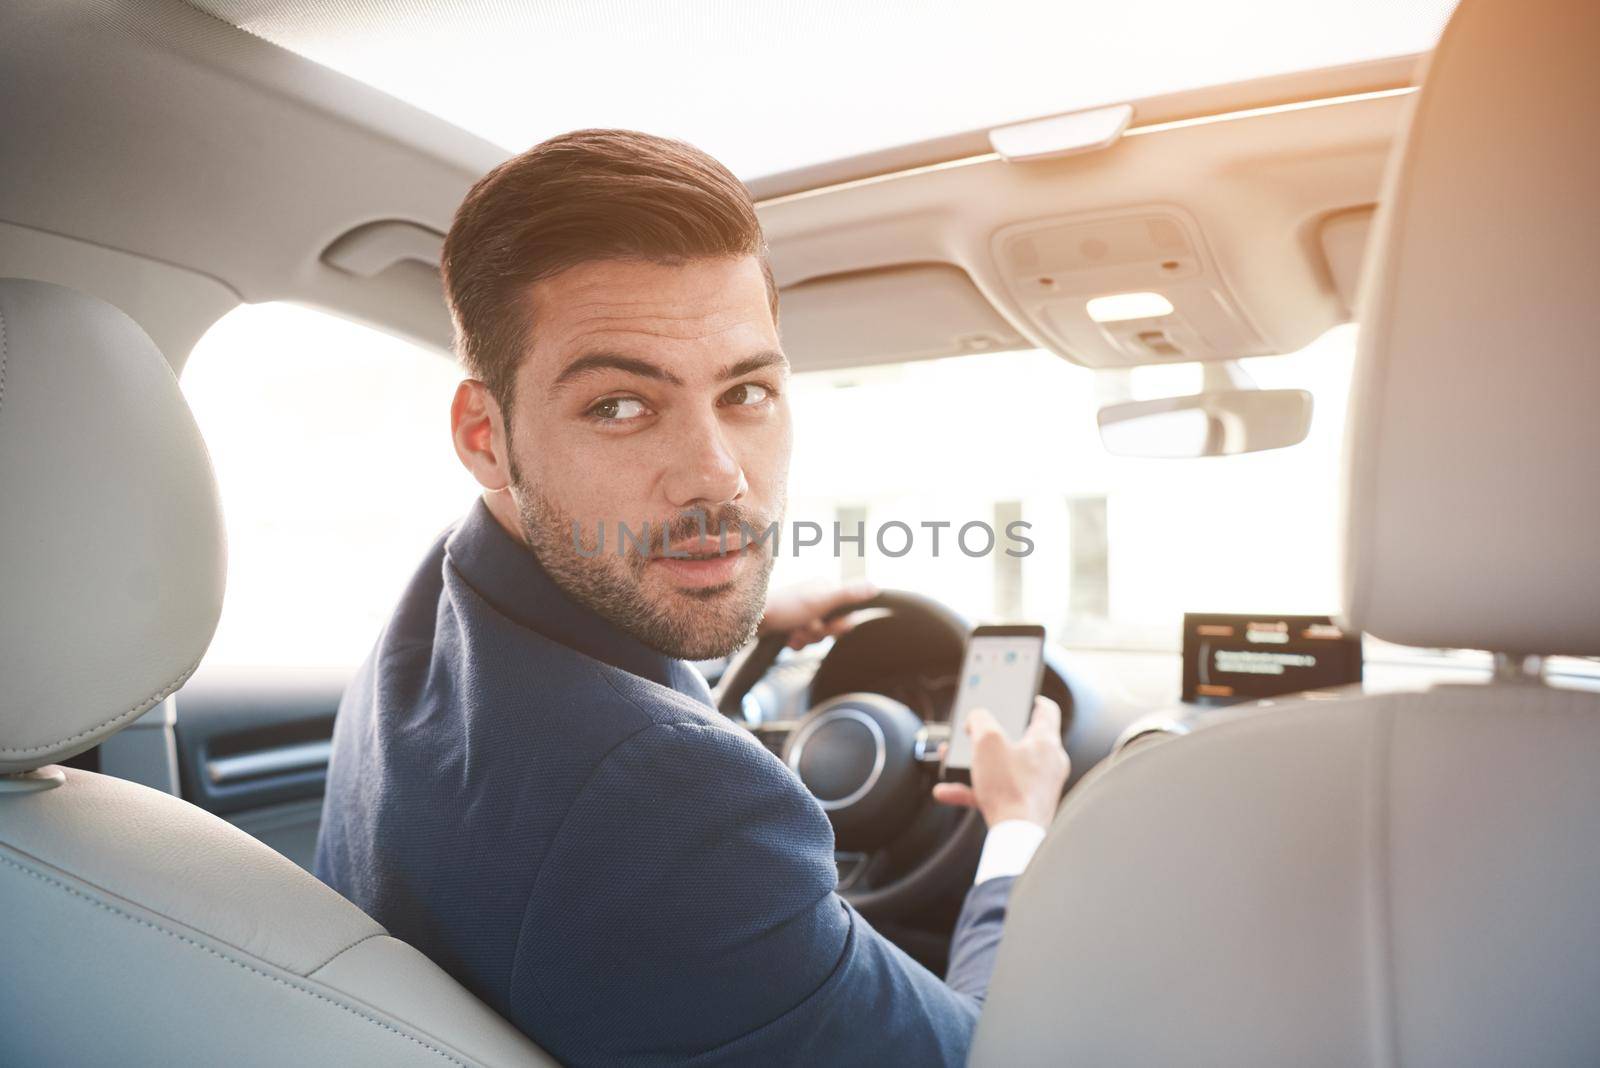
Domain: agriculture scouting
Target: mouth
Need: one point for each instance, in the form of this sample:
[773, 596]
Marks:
[699, 564]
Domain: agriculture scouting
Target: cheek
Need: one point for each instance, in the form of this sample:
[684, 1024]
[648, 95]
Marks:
[592, 477]
[766, 457]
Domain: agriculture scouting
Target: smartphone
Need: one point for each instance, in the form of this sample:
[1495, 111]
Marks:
[1001, 672]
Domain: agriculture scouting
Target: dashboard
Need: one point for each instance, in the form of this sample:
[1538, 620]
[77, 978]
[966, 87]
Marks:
[918, 665]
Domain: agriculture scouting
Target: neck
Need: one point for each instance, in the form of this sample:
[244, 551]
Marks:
[503, 507]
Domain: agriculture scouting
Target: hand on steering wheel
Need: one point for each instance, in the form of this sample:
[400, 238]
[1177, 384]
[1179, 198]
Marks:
[809, 613]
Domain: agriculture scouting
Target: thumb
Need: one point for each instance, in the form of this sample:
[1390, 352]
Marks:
[824, 599]
[980, 720]
[1046, 718]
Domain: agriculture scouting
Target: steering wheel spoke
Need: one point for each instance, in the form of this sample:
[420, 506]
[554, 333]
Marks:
[927, 747]
[774, 734]
[851, 868]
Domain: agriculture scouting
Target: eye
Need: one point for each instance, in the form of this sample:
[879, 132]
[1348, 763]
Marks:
[617, 409]
[746, 394]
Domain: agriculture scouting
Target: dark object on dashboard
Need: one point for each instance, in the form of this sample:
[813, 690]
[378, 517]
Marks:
[1230, 658]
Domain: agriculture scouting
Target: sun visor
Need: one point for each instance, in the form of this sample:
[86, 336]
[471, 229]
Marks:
[913, 312]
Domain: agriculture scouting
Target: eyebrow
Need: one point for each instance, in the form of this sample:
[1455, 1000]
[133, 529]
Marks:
[594, 362]
[771, 358]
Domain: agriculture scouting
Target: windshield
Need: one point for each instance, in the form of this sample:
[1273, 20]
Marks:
[767, 86]
[1121, 548]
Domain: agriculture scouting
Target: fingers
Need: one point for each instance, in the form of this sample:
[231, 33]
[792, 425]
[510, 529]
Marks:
[803, 636]
[801, 611]
[817, 630]
[835, 627]
[851, 594]
[955, 793]
[857, 590]
[824, 601]
[1046, 722]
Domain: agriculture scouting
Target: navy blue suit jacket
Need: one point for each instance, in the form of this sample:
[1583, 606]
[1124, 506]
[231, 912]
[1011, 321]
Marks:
[556, 815]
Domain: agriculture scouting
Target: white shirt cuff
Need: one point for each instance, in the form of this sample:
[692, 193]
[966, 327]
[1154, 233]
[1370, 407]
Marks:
[1007, 849]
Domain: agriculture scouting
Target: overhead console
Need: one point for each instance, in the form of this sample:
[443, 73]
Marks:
[1245, 228]
[1177, 308]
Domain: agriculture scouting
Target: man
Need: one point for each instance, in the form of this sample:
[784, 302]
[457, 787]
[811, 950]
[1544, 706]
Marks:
[528, 782]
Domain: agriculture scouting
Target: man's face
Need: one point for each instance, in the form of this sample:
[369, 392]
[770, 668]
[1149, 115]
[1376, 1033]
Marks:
[654, 394]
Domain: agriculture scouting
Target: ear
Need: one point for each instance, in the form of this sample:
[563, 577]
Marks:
[479, 431]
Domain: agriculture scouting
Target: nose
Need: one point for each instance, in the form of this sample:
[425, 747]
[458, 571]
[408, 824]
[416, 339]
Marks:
[702, 470]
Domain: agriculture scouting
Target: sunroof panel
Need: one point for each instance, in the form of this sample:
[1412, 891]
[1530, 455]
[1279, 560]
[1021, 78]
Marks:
[769, 86]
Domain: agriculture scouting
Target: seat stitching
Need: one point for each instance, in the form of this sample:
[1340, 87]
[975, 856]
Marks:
[2, 362]
[136, 710]
[231, 960]
[342, 951]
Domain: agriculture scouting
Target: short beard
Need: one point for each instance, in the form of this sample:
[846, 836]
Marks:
[695, 624]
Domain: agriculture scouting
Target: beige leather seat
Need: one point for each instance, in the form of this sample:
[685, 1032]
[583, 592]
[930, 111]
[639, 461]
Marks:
[1411, 879]
[136, 929]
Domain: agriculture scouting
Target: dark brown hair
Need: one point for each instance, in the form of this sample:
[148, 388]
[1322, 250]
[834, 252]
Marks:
[583, 196]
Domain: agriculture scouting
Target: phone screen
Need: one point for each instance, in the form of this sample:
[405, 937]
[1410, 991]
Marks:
[1001, 673]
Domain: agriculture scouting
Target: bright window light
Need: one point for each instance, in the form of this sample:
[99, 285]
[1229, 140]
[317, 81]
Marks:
[318, 551]
[771, 85]
[1120, 307]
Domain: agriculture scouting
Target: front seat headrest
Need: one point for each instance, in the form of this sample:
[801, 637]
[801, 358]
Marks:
[112, 554]
[1473, 479]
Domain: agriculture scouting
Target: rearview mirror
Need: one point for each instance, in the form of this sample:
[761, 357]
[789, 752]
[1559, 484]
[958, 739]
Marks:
[1221, 423]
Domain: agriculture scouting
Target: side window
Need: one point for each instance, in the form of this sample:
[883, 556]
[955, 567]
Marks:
[331, 443]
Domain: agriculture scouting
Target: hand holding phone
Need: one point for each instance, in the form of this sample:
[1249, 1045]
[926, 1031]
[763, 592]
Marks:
[1000, 673]
[1019, 780]
[1005, 755]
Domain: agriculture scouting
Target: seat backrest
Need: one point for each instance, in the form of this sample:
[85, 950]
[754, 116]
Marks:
[135, 928]
[1408, 878]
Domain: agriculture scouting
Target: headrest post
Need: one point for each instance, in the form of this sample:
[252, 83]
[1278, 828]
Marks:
[32, 782]
[1518, 667]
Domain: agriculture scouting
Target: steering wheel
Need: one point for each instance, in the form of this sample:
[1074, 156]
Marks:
[870, 762]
